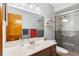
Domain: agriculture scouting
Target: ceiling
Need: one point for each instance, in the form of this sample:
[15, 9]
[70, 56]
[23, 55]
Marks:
[59, 6]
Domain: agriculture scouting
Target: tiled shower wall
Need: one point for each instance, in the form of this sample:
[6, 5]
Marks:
[67, 33]
[71, 43]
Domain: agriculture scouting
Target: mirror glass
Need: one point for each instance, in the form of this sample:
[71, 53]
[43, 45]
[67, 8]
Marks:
[32, 25]
[22, 24]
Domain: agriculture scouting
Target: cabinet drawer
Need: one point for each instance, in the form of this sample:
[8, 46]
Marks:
[45, 52]
[53, 48]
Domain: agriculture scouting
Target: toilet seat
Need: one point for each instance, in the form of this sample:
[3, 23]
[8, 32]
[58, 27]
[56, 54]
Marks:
[61, 50]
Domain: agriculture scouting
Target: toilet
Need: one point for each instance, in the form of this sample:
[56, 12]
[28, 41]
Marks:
[61, 51]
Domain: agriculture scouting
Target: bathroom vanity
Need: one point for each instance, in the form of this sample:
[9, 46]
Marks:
[50, 51]
[28, 26]
[39, 48]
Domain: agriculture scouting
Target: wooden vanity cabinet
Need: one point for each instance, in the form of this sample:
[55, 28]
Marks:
[53, 50]
[50, 51]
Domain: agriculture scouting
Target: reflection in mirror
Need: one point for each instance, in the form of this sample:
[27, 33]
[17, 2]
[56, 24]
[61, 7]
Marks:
[14, 24]
[40, 27]
[32, 25]
[22, 24]
[14, 27]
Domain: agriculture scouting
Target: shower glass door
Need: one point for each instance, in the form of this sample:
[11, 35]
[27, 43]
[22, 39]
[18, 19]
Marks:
[70, 31]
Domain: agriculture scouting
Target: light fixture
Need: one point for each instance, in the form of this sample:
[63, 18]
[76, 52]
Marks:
[23, 4]
[65, 19]
[37, 8]
[31, 6]
[34, 7]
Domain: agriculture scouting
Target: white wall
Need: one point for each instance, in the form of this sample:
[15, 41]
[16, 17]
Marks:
[73, 22]
[76, 20]
[60, 6]
[71, 25]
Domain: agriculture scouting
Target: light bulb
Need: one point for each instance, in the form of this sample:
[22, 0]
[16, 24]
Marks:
[18, 21]
[23, 4]
[31, 6]
[37, 9]
[65, 20]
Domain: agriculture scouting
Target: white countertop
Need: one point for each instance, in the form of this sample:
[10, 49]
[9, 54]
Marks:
[26, 49]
